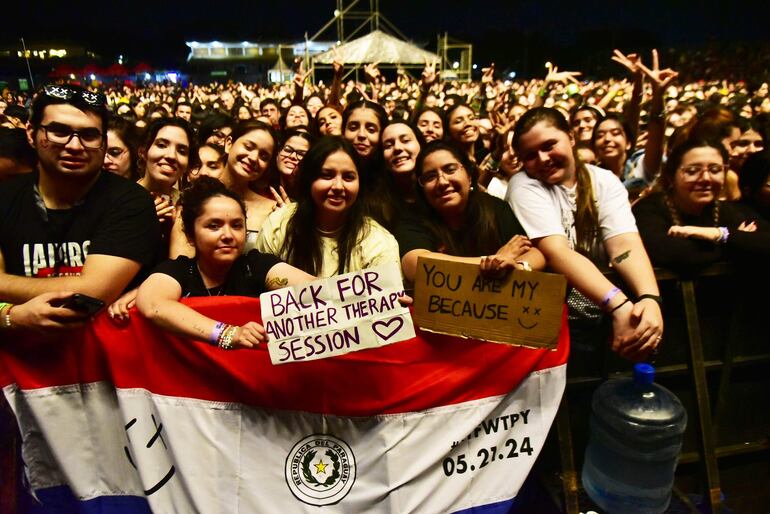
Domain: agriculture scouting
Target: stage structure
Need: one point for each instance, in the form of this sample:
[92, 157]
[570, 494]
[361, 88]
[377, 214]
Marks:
[384, 44]
[456, 58]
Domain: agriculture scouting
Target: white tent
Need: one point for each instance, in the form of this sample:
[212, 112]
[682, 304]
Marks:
[377, 47]
[280, 72]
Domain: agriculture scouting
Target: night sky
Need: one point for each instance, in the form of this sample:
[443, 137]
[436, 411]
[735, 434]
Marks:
[512, 33]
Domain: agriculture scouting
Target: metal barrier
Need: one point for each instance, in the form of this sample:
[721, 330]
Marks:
[702, 416]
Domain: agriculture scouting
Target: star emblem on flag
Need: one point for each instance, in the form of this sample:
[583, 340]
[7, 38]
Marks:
[320, 467]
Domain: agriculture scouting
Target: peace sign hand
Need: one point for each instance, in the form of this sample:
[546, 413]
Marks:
[631, 61]
[660, 79]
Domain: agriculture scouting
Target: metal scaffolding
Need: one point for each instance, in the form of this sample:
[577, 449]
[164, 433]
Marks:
[456, 58]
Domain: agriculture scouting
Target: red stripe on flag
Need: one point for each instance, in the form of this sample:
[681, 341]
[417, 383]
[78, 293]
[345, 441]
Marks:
[428, 371]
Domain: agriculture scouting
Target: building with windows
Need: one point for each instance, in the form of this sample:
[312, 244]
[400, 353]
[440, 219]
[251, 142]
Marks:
[247, 61]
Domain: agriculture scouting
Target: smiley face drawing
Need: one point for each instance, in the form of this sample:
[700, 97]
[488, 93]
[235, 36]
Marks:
[525, 309]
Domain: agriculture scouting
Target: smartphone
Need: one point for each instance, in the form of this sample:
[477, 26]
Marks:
[83, 303]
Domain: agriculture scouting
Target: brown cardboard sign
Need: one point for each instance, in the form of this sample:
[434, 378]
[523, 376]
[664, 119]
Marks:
[524, 308]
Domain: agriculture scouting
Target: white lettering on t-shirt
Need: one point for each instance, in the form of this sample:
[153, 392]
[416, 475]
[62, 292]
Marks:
[49, 259]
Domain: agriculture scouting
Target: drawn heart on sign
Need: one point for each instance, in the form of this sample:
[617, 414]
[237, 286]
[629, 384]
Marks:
[387, 329]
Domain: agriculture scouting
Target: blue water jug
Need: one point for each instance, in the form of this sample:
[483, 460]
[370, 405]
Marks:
[636, 436]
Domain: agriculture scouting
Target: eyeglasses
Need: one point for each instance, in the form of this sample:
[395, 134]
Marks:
[430, 177]
[60, 134]
[696, 170]
[114, 151]
[287, 151]
[65, 92]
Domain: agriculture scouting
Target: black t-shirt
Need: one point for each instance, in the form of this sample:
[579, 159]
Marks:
[246, 278]
[116, 217]
[412, 232]
[689, 255]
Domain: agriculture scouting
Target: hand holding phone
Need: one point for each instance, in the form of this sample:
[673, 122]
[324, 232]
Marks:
[83, 304]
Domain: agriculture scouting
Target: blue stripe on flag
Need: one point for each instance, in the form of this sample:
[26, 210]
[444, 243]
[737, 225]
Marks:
[503, 507]
[60, 500]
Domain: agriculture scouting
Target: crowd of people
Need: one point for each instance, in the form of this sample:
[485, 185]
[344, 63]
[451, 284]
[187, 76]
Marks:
[140, 196]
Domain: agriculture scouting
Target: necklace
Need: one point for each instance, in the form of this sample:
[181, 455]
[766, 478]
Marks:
[221, 288]
[329, 233]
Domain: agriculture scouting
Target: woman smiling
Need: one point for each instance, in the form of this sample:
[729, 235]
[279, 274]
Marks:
[214, 220]
[684, 225]
[579, 217]
[461, 223]
[326, 232]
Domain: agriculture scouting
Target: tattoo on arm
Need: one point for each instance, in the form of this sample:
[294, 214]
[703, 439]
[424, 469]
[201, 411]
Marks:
[277, 282]
[623, 256]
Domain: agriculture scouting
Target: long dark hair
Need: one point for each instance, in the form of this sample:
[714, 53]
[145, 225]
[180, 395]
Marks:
[587, 214]
[371, 171]
[389, 197]
[479, 235]
[302, 245]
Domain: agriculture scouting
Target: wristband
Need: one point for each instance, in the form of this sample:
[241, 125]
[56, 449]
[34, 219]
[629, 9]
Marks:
[724, 234]
[618, 306]
[655, 297]
[217, 332]
[609, 296]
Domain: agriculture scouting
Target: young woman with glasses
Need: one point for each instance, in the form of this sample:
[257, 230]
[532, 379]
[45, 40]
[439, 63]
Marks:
[122, 152]
[684, 225]
[461, 222]
[293, 150]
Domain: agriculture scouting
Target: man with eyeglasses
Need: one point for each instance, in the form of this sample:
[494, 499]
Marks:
[68, 227]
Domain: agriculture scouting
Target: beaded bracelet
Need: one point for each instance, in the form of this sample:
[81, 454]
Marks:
[226, 340]
[6, 317]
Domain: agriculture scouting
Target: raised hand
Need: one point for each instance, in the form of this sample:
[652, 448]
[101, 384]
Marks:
[554, 75]
[299, 75]
[660, 79]
[372, 72]
[487, 74]
[281, 199]
[337, 64]
[428, 75]
[631, 61]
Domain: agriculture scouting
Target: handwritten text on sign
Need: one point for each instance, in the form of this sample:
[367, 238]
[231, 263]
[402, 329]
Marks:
[336, 315]
[523, 308]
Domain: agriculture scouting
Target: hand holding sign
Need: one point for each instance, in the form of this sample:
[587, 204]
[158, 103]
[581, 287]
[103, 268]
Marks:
[523, 308]
[337, 315]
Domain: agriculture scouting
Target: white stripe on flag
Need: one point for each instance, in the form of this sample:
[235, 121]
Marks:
[228, 457]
